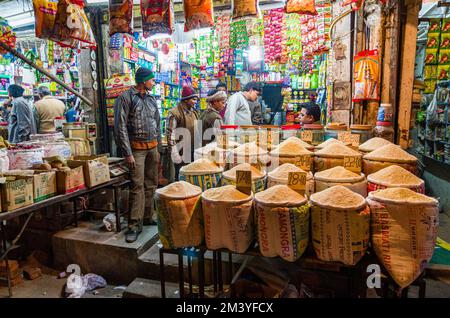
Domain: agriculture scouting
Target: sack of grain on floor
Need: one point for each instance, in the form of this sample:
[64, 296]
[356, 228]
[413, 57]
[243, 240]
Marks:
[387, 156]
[228, 219]
[404, 230]
[291, 152]
[203, 173]
[280, 176]
[394, 177]
[282, 222]
[341, 176]
[249, 153]
[373, 144]
[333, 156]
[258, 176]
[179, 213]
[328, 142]
[340, 225]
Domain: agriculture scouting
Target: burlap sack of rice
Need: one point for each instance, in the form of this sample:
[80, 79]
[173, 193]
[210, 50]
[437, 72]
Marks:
[404, 230]
[387, 156]
[298, 141]
[280, 176]
[179, 212]
[291, 152]
[282, 223]
[228, 219]
[341, 176]
[373, 144]
[395, 177]
[214, 153]
[340, 225]
[249, 153]
[203, 173]
[332, 156]
[258, 176]
[328, 142]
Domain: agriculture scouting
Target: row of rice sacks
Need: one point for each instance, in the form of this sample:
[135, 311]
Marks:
[403, 224]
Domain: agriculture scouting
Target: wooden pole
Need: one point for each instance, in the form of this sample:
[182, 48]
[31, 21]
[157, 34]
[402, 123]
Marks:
[407, 71]
[52, 77]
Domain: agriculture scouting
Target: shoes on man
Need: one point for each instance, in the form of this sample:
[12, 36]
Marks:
[149, 222]
[132, 235]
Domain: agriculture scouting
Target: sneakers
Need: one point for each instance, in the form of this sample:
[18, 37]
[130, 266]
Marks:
[132, 235]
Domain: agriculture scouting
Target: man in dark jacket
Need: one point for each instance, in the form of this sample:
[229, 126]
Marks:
[211, 118]
[137, 130]
[21, 119]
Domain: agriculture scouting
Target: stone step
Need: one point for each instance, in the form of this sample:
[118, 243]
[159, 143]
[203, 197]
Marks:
[146, 288]
[101, 252]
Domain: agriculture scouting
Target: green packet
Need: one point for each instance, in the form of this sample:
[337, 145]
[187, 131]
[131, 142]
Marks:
[445, 26]
[445, 41]
[443, 72]
[444, 56]
[435, 26]
[430, 86]
[431, 56]
[430, 72]
[433, 40]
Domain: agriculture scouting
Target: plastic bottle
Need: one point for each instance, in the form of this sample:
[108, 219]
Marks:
[314, 79]
[307, 82]
[300, 83]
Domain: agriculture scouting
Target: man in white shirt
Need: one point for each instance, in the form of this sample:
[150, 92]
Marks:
[238, 110]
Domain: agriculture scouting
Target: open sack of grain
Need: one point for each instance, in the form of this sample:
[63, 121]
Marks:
[203, 173]
[297, 140]
[228, 219]
[249, 153]
[290, 151]
[387, 156]
[280, 176]
[341, 176]
[214, 152]
[282, 222]
[340, 225]
[328, 142]
[404, 231]
[394, 177]
[333, 156]
[179, 213]
[373, 144]
[258, 176]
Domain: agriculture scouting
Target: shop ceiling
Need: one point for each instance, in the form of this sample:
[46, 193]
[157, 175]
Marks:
[20, 15]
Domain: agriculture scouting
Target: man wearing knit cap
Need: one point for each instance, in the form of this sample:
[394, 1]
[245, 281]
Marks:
[211, 117]
[137, 130]
[183, 116]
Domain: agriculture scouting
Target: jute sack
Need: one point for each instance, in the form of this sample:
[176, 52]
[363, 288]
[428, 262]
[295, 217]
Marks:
[203, 173]
[179, 212]
[290, 151]
[340, 225]
[332, 156]
[341, 176]
[258, 176]
[280, 176]
[373, 144]
[228, 219]
[249, 153]
[394, 177]
[282, 222]
[404, 230]
[328, 142]
[387, 156]
[215, 153]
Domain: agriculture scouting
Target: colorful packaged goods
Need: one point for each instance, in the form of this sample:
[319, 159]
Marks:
[120, 16]
[282, 222]
[157, 17]
[404, 229]
[301, 7]
[44, 15]
[245, 8]
[198, 14]
[366, 76]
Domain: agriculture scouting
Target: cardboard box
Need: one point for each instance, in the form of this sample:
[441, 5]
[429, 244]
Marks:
[44, 182]
[96, 168]
[17, 192]
[70, 181]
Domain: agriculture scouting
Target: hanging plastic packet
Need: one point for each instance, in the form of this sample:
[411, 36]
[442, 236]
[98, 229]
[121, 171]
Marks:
[72, 25]
[44, 15]
[366, 75]
[356, 4]
[7, 35]
[198, 14]
[157, 17]
[245, 8]
[301, 7]
[120, 16]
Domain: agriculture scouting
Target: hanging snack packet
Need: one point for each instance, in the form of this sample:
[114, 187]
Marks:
[301, 7]
[44, 15]
[433, 40]
[445, 26]
[443, 72]
[430, 72]
[157, 17]
[71, 23]
[444, 56]
[356, 4]
[245, 8]
[198, 14]
[435, 26]
[120, 16]
[431, 56]
[367, 74]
